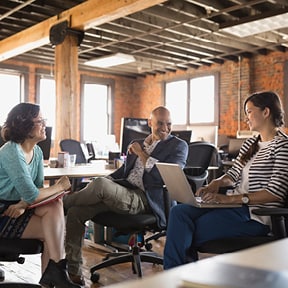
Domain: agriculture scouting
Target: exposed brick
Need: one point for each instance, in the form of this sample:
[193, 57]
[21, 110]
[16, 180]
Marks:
[137, 97]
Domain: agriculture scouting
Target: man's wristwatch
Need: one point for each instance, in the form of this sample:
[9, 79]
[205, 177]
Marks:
[245, 199]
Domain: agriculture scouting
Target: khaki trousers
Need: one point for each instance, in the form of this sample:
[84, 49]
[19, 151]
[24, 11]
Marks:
[99, 196]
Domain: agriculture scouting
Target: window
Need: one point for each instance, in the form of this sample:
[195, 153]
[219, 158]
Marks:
[202, 100]
[12, 93]
[176, 100]
[96, 109]
[193, 101]
[47, 101]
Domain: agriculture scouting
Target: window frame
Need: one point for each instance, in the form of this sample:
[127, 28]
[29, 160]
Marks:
[111, 92]
[216, 100]
[23, 74]
[40, 74]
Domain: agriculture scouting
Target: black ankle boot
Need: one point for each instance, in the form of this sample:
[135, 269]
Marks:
[56, 275]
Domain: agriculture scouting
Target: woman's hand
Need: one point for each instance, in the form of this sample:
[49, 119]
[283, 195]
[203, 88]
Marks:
[215, 198]
[64, 183]
[212, 188]
[16, 210]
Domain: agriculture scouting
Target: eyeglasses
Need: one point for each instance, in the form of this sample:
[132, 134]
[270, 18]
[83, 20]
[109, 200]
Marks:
[41, 122]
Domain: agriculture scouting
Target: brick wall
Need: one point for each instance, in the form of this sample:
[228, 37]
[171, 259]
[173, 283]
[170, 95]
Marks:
[237, 81]
[137, 97]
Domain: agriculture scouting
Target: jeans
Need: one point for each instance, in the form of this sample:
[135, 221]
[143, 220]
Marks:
[98, 196]
[189, 227]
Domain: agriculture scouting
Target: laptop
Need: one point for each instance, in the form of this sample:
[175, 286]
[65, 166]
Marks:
[179, 188]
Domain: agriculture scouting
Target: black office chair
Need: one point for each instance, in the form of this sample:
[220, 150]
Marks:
[91, 151]
[234, 146]
[74, 147]
[12, 250]
[200, 155]
[135, 225]
[82, 157]
[279, 220]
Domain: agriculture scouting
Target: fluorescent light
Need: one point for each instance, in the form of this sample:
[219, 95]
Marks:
[111, 60]
[258, 26]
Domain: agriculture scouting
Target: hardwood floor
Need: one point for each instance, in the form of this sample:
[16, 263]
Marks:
[30, 270]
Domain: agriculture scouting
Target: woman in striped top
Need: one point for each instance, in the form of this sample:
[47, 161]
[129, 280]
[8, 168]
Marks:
[259, 176]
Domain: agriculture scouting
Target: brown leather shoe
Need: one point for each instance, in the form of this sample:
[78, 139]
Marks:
[77, 279]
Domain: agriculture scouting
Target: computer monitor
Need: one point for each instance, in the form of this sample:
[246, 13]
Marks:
[183, 134]
[234, 147]
[205, 133]
[131, 129]
[45, 145]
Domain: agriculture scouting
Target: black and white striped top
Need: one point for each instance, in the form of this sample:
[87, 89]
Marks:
[269, 169]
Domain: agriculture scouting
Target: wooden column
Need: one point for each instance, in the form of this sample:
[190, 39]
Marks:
[67, 91]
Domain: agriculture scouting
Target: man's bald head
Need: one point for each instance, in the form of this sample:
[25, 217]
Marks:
[160, 123]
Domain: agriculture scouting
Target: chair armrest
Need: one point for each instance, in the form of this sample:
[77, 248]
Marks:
[279, 220]
[193, 171]
[271, 211]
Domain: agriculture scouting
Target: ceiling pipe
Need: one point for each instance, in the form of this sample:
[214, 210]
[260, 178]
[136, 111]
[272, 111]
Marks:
[17, 8]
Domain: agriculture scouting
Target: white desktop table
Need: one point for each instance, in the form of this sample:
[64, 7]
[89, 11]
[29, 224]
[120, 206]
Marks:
[272, 256]
[76, 172]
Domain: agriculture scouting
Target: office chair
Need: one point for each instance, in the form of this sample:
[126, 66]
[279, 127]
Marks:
[74, 147]
[91, 151]
[82, 157]
[200, 155]
[134, 225]
[234, 146]
[12, 249]
[279, 220]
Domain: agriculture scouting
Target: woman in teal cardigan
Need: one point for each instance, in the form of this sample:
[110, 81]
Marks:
[21, 184]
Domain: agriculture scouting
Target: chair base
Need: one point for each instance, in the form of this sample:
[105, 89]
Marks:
[135, 256]
[10, 251]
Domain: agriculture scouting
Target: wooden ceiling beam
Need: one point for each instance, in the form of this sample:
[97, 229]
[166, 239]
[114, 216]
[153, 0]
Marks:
[81, 17]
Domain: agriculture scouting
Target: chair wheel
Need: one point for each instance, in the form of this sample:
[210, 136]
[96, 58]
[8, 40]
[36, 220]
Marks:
[21, 260]
[148, 246]
[95, 277]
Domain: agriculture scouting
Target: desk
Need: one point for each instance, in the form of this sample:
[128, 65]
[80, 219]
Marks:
[272, 256]
[74, 173]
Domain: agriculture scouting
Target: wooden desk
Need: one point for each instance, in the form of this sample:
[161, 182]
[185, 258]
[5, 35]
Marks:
[272, 256]
[74, 173]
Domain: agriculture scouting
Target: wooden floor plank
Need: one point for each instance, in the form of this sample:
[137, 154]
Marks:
[30, 270]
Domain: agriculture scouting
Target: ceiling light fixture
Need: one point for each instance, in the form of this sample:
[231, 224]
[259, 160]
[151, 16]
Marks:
[258, 26]
[111, 60]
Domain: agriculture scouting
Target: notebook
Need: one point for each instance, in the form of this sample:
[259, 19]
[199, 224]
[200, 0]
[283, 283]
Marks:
[49, 199]
[179, 188]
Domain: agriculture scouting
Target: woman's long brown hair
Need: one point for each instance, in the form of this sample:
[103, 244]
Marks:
[262, 100]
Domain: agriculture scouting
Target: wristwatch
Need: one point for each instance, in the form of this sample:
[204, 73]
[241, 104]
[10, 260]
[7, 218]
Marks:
[245, 199]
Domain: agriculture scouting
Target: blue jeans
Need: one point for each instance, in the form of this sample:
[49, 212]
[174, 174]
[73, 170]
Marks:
[189, 227]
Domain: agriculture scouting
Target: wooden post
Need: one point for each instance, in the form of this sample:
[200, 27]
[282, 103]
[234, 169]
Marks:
[67, 91]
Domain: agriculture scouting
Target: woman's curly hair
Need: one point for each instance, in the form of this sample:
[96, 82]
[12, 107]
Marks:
[19, 122]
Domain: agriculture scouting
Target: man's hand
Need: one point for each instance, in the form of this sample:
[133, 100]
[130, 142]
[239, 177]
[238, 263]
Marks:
[136, 148]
